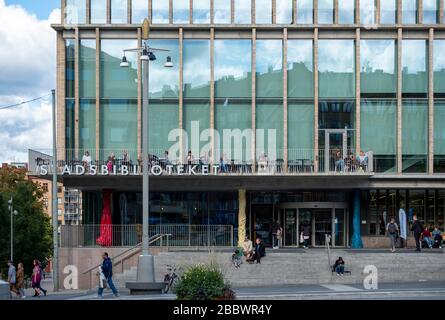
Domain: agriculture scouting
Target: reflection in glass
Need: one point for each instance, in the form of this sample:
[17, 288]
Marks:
[119, 11]
[119, 119]
[165, 81]
[160, 11]
[378, 68]
[163, 117]
[300, 119]
[201, 11]
[388, 11]
[346, 11]
[69, 126]
[439, 137]
[284, 10]
[263, 11]
[269, 117]
[181, 11]
[269, 68]
[196, 119]
[367, 11]
[117, 82]
[439, 66]
[243, 12]
[326, 11]
[222, 12]
[233, 72]
[87, 126]
[414, 66]
[75, 12]
[70, 54]
[336, 68]
[430, 12]
[305, 12]
[378, 123]
[409, 11]
[87, 68]
[98, 11]
[196, 78]
[139, 11]
[414, 135]
[300, 75]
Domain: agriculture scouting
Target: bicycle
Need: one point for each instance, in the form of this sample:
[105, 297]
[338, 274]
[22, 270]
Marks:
[171, 278]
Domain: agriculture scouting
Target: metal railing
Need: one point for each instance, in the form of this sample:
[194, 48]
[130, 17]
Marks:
[181, 235]
[103, 162]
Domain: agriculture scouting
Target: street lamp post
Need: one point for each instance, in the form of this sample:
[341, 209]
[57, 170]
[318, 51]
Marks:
[145, 270]
[13, 213]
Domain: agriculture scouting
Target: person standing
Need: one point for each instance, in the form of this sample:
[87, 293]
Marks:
[36, 279]
[306, 234]
[107, 269]
[20, 283]
[417, 229]
[392, 229]
[12, 277]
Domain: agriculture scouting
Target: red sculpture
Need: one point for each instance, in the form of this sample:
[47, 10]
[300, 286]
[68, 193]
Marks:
[106, 227]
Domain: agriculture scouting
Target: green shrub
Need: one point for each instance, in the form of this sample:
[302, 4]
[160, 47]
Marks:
[201, 282]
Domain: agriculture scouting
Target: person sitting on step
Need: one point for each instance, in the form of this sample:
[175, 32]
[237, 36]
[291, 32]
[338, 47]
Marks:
[339, 267]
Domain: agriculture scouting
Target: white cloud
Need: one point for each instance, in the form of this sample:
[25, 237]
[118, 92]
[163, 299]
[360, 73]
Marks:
[28, 69]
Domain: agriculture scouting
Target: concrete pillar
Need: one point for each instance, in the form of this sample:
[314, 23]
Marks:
[253, 148]
[76, 152]
[140, 93]
[241, 216]
[316, 161]
[98, 121]
[285, 108]
[431, 101]
[356, 242]
[357, 91]
[181, 117]
[212, 95]
[399, 101]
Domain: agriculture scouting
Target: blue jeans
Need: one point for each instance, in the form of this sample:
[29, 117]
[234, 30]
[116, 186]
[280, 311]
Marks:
[340, 268]
[339, 165]
[428, 241]
[110, 284]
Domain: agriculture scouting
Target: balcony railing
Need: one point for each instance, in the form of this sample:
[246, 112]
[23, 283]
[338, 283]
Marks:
[182, 235]
[105, 162]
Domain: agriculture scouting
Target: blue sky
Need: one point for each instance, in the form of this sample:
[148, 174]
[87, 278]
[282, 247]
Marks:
[41, 8]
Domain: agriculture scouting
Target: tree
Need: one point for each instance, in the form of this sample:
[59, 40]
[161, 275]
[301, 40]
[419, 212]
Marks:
[32, 227]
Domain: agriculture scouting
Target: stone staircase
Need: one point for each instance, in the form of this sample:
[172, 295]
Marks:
[290, 267]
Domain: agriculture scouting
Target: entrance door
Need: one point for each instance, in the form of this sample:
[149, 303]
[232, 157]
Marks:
[339, 228]
[336, 145]
[322, 225]
[290, 227]
[263, 224]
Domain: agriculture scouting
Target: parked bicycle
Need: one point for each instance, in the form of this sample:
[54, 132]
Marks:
[171, 278]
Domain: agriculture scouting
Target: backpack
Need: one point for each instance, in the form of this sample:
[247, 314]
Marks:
[392, 228]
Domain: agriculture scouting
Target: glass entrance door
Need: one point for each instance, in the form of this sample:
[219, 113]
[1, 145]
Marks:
[290, 227]
[336, 145]
[263, 224]
[322, 225]
[339, 228]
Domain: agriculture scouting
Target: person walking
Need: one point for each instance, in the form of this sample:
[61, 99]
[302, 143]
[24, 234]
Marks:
[20, 283]
[392, 229]
[276, 236]
[107, 269]
[306, 234]
[36, 279]
[12, 277]
[417, 229]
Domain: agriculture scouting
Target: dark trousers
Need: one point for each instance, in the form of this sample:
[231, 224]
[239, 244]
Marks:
[257, 257]
[418, 243]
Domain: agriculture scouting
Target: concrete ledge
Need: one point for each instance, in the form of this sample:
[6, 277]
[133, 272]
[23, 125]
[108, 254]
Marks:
[137, 288]
[4, 290]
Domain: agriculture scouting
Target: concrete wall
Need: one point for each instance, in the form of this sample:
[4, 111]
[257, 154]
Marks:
[382, 242]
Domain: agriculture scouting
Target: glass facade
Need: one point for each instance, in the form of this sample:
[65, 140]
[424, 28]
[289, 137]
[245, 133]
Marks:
[160, 11]
[414, 68]
[300, 73]
[439, 137]
[201, 11]
[430, 12]
[388, 9]
[70, 54]
[263, 11]
[409, 11]
[69, 126]
[98, 11]
[87, 69]
[181, 11]
[284, 9]
[326, 11]
[346, 11]
[119, 11]
[243, 11]
[439, 68]
[300, 128]
[414, 136]
[87, 127]
[367, 11]
[139, 11]
[75, 12]
[222, 11]
[305, 12]
[163, 117]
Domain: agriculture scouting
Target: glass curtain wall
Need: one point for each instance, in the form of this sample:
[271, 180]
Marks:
[243, 11]
[164, 99]
[222, 11]
[75, 12]
[378, 81]
[284, 9]
[346, 11]
[118, 94]
[300, 94]
[269, 100]
[367, 11]
[439, 109]
[326, 11]
[430, 12]
[196, 91]
[201, 11]
[160, 11]
[98, 11]
[263, 11]
[233, 104]
[409, 11]
[388, 9]
[119, 9]
[415, 106]
[139, 11]
[305, 12]
[181, 11]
